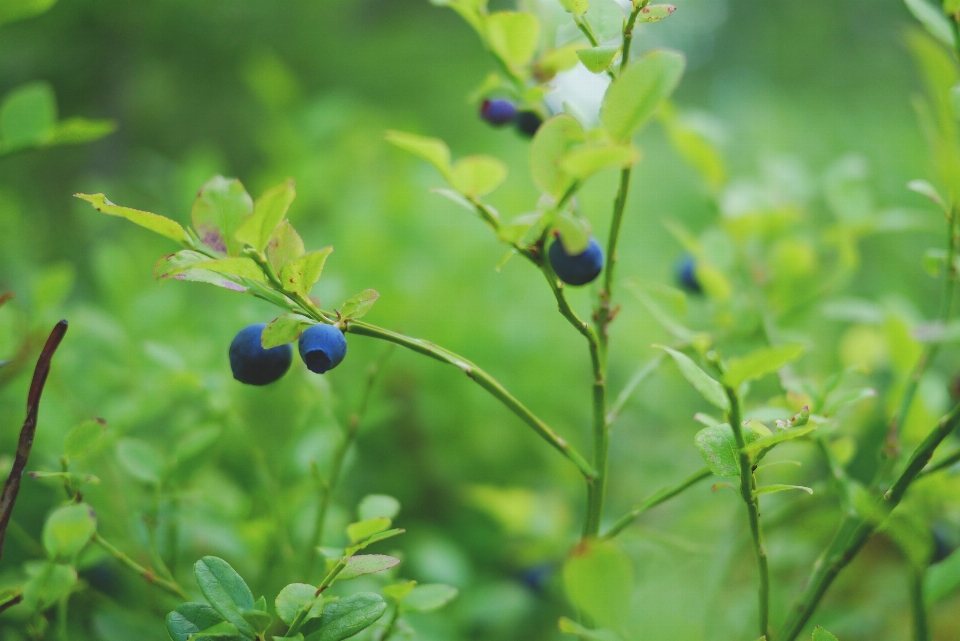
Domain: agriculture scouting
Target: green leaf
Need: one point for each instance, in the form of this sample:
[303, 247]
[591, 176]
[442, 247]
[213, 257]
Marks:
[141, 460]
[366, 564]
[942, 579]
[378, 505]
[513, 36]
[433, 150]
[301, 274]
[380, 536]
[49, 585]
[778, 437]
[153, 222]
[189, 619]
[28, 116]
[399, 591]
[294, 598]
[478, 175]
[924, 188]
[183, 266]
[456, 198]
[519, 228]
[284, 246]
[218, 212]
[819, 634]
[950, 7]
[268, 211]
[576, 7]
[718, 447]
[773, 489]
[760, 363]
[68, 530]
[11, 10]
[934, 21]
[655, 12]
[598, 578]
[358, 306]
[84, 437]
[586, 161]
[9, 594]
[708, 387]
[548, 148]
[240, 267]
[196, 442]
[571, 627]
[429, 597]
[574, 233]
[226, 591]
[73, 131]
[597, 59]
[219, 632]
[635, 95]
[284, 329]
[258, 620]
[344, 618]
[365, 529]
[843, 398]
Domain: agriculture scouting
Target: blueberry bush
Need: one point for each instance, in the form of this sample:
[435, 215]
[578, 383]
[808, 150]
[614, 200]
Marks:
[753, 407]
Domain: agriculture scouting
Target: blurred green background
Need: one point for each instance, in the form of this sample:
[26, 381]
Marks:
[265, 90]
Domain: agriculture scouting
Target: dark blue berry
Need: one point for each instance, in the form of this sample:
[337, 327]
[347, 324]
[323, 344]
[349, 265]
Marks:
[253, 365]
[537, 577]
[687, 275]
[942, 545]
[577, 269]
[498, 112]
[322, 347]
[528, 122]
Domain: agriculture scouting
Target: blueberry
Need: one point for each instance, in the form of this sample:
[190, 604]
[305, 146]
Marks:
[253, 365]
[687, 275]
[528, 122]
[322, 347]
[942, 545]
[578, 269]
[498, 112]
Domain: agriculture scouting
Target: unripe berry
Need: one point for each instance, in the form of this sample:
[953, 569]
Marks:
[576, 269]
[528, 122]
[322, 347]
[687, 275]
[498, 112]
[254, 365]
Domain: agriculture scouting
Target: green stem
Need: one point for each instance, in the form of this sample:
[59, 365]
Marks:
[62, 611]
[748, 485]
[918, 609]
[854, 531]
[628, 33]
[392, 624]
[170, 586]
[948, 461]
[482, 379]
[656, 499]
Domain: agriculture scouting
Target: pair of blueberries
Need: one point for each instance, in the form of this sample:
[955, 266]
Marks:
[322, 347]
[499, 112]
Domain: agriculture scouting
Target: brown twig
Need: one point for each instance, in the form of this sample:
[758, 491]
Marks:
[12, 486]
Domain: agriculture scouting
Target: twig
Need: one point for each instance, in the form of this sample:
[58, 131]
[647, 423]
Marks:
[12, 487]
[654, 500]
[170, 586]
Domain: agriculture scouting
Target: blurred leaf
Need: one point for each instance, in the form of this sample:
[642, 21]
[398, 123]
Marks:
[268, 211]
[773, 489]
[655, 12]
[760, 363]
[597, 59]
[715, 284]
[68, 530]
[141, 460]
[549, 146]
[606, 18]
[635, 95]
[294, 598]
[28, 115]
[220, 632]
[778, 437]
[258, 620]
[475, 176]
[694, 147]
[577, 7]
[574, 233]
[819, 634]
[153, 222]
[378, 505]
[73, 131]
[913, 536]
[399, 591]
[433, 150]
[11, 10]
[942, 579]
[456, 198]
[847, 397]
[283, 329]
[196, 442]
[359, 305]
[84, 437]
[718, 447]
[557, 60]
[220, 209]
[951, 7]
[240, 267]
[346, 617]
[924, 188]
[49, 585]
[570, 627]
[588, 160]
[226, 591]
[285, 245]
[367, 528]
[301, 274]
[598, 578]
[513, 36]
[429, 597]
[366, 564]
[708, 387]
[517, 229]
[933, 20]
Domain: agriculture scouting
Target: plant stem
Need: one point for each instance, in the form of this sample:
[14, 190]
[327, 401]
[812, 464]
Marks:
[628, 33]
[392, 624]
[948, 461]
[482, 379]
[654, 500]
[62, 610]
[918, 609]
[748, 485]
[170, 586]
[854, 531]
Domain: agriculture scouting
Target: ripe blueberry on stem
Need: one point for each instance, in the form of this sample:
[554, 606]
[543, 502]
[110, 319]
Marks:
[528, 122]
[498, 112]
[251, 363]
[576, 269]
[322, 347]
[687, 275]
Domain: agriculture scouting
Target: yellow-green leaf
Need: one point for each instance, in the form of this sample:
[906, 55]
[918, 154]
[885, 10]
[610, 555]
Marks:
[597, 59]
[548, 149]
[760, 363]
[586, 161]
[635, 95]
[513, 36]
[268, 211]
[153, 222]
[433, 150]
[300, 274]
[475, 176]
[284, 246]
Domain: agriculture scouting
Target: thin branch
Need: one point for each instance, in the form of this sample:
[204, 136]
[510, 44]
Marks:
[12, 487]
[948, 461]
[148, 575]
[654, 500]
[918, 607]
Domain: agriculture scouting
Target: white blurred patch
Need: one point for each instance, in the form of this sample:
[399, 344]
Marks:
[579, 93]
